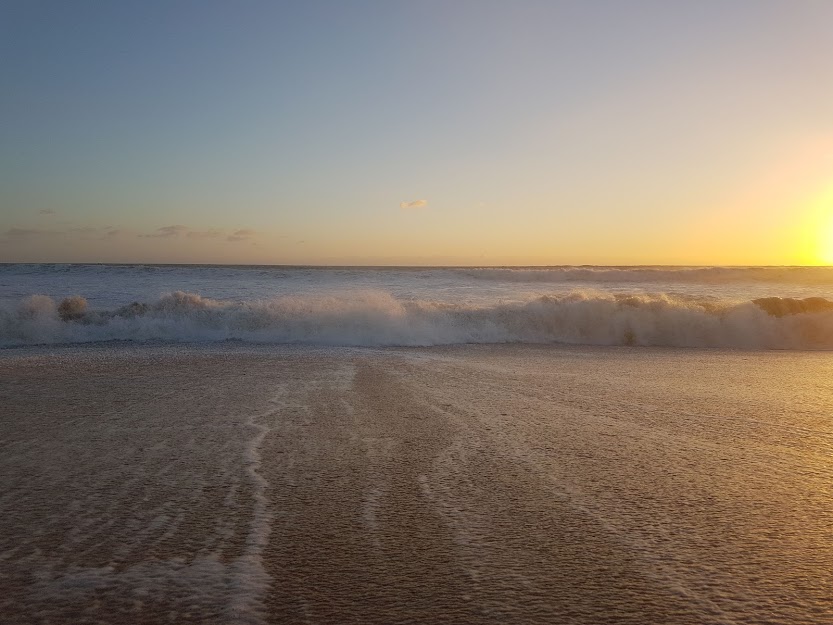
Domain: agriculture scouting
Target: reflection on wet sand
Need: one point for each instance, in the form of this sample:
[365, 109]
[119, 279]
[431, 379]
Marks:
[490, 484]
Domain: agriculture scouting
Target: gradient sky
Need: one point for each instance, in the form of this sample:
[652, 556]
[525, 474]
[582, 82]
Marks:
[417, 132]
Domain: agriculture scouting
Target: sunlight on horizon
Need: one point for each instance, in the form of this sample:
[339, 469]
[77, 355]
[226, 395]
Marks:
[826, 252]
[817, 243]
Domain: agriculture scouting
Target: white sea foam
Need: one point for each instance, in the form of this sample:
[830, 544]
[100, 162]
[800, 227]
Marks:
[377, 318]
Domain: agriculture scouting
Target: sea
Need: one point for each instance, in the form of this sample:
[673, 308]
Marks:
[736, 307]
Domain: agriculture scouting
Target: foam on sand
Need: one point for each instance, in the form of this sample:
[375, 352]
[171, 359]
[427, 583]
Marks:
[516, 483]
[133, 490]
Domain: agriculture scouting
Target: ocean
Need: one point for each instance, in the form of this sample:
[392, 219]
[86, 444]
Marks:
[276, 445]
[743, 307]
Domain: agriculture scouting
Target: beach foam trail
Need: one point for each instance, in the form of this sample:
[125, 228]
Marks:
[376, 318]
[170, 520]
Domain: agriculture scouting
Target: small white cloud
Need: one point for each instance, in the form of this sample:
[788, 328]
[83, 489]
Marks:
[413, 204]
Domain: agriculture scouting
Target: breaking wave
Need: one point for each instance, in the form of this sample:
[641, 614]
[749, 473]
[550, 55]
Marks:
[376, 318]
[689, 275]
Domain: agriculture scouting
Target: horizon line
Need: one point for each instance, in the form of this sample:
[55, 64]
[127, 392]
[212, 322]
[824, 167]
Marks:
[399, 266]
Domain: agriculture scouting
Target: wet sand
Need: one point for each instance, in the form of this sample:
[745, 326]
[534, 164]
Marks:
[472, 484]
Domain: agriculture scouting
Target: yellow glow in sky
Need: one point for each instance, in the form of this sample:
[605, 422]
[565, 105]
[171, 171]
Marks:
[823, 248]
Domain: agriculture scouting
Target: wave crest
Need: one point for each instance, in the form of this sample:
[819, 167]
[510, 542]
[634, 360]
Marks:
[376, 318]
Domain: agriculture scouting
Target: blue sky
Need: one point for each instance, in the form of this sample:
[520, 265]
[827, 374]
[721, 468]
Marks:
[535, 132]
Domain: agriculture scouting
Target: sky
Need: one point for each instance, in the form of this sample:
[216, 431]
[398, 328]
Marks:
[417, 132]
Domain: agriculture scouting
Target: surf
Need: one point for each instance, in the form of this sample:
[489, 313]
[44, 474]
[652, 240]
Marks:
[377, 318]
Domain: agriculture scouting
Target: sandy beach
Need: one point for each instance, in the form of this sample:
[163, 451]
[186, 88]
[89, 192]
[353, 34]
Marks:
[234, 483]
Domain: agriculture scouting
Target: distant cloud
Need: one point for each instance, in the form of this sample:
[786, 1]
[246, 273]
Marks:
[47, 211]
[84, 233]
[26, 233]
[211, 233]
[22, 235]
[241, 235]
[413, 204]
[166, 232]
[178, 230]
